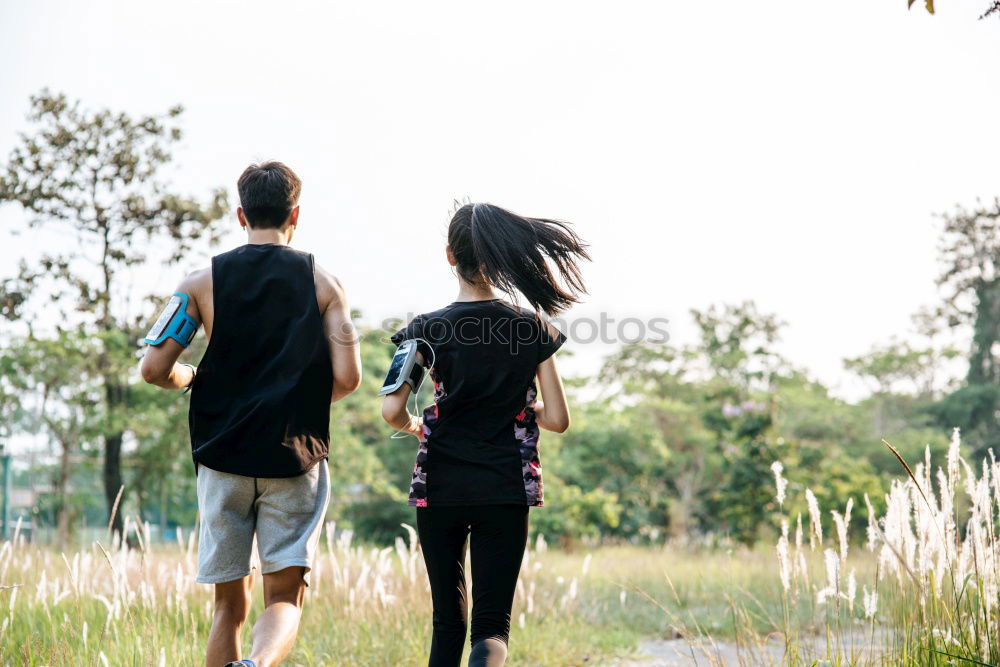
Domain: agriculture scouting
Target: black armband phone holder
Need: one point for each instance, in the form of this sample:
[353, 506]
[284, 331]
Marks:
[416, 377]
[403, 369]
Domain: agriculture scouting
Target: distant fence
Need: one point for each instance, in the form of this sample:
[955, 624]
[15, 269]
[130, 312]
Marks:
[84, 536]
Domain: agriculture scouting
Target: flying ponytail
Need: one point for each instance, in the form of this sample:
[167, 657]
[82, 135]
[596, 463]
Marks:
[512, 253]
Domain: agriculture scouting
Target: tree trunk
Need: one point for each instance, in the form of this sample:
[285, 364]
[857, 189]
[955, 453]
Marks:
[985, 332]
[687, 485]
[163, 505]
[115, 395]
[62, 520]
[114, 388]
[113, 477]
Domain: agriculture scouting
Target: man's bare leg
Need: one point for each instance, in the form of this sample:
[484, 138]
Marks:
[275, 629]
[232, 605]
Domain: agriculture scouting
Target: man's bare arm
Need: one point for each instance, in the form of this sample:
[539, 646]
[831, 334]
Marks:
[159, 365]
[345, 351]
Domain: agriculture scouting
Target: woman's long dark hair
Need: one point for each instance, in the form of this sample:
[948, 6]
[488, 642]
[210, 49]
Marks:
[493, 246]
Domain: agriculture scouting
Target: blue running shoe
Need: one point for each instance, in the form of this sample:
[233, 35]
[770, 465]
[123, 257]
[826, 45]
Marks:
[241, 663]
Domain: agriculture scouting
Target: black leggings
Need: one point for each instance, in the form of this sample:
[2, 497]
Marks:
[498, 537]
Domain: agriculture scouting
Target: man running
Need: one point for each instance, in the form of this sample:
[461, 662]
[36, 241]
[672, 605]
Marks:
[281, 349]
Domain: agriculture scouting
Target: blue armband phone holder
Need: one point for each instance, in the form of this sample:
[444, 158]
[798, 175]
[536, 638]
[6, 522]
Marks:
[173, 322]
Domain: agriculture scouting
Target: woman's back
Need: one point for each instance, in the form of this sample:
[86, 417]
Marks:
[480, 439]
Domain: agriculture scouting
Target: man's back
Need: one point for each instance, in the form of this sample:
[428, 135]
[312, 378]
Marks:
[260, 405]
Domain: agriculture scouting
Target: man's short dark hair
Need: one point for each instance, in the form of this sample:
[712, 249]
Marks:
[268, 193]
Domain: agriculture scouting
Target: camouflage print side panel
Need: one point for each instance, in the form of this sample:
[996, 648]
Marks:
[526, 433]
[418, 485]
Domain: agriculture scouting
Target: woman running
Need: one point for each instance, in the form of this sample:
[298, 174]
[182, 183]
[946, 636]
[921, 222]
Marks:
[477, 469]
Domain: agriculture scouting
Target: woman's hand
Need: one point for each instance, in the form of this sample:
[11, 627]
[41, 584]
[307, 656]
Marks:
[415, 427]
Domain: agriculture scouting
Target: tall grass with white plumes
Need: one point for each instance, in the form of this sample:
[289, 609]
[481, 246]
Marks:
[115, 605]
[932, 572]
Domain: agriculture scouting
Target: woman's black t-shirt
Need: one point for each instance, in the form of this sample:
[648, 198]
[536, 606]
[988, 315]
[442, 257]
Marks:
[480, 439]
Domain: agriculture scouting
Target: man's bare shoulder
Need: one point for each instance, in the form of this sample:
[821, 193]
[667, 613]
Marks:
[197, 283]
[329, 291]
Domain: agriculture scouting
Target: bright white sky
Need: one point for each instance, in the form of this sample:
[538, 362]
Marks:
[789, 152]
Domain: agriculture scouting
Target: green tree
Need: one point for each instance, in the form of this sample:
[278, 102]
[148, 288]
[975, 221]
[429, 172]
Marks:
[653, 451]
[682, 438]
[888, 365]
[58, 374]
[98, 176]
[970, 253]
[737, 346]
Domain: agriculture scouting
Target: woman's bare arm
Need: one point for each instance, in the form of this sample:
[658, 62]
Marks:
[396, 414]
[552, 412]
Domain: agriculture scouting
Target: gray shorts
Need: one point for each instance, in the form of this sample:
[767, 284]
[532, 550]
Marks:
[285, 514]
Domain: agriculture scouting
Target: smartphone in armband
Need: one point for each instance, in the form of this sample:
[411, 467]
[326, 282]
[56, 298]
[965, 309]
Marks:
[404, 369]
[173, 322]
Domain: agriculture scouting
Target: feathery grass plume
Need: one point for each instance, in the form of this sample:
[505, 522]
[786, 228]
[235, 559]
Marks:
[871, 532]
[870, 601]
[995, 477]
[832, 588]
[815, 520]
[832, 569]
[842, 521]
[801, 569]
[945, 506]
[954, 454]
[852, 590]
[898, 541]
[780, 483]
[784, 564]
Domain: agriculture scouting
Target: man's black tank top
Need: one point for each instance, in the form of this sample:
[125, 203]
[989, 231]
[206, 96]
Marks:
[260, 404]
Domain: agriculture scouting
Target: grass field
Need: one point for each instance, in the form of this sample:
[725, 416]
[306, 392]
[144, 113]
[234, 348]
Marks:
[924, 589]
[371, 607]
